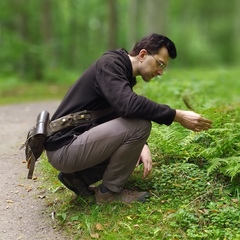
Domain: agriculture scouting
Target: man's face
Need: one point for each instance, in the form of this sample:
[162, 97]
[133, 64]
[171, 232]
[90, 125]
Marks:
[152, 65]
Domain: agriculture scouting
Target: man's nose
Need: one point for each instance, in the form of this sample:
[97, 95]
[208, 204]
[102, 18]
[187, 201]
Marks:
[159, 71]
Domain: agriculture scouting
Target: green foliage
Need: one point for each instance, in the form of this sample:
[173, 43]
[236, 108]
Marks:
[186, 203]
[229, 166]
[40, 36]
[54, 87]
[190, 146]
[219, 147]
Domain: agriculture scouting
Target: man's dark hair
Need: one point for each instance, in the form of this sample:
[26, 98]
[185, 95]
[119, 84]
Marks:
[152, 43]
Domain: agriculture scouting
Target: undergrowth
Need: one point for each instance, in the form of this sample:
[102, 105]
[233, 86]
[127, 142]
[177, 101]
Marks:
[185, 203]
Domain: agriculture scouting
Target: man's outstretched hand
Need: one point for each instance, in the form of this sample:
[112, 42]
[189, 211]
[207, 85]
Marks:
[192, 120]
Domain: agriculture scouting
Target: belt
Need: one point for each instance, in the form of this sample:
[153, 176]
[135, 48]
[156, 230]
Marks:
[75, 119]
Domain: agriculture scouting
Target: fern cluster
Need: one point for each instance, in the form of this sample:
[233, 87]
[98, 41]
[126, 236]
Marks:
[218, 150]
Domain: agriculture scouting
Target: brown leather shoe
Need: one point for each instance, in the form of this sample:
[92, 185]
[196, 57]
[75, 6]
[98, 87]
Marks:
[75, 183]
[125, 196]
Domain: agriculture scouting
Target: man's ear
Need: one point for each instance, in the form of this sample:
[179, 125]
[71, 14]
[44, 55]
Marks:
[142, 54]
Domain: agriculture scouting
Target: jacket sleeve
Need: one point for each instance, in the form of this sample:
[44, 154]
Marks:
[116, 89]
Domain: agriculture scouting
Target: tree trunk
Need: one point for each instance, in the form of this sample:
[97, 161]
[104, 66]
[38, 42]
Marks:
[132, 22]
[156, 15]
[112, 35]
[237, 31]
[46, 21]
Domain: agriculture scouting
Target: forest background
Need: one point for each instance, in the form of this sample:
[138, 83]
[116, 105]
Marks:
[42, 38]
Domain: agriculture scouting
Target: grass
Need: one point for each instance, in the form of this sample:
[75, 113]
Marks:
[13, 90]
[195, 178]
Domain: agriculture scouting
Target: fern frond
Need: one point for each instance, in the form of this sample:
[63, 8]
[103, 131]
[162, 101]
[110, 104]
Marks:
[215, 164]
[228, 166]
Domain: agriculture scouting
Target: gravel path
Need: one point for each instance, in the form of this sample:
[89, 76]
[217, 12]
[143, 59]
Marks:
[23, 213]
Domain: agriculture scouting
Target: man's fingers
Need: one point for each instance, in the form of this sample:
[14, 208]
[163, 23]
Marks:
[199, 128]
[202, 124]
[147, 170]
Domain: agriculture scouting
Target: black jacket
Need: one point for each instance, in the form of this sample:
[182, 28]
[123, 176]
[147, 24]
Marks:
[107, 82]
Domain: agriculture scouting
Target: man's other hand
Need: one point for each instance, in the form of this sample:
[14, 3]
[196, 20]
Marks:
[146, 159]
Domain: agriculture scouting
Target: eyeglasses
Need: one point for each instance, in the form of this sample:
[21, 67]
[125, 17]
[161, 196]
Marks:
[162, 65]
